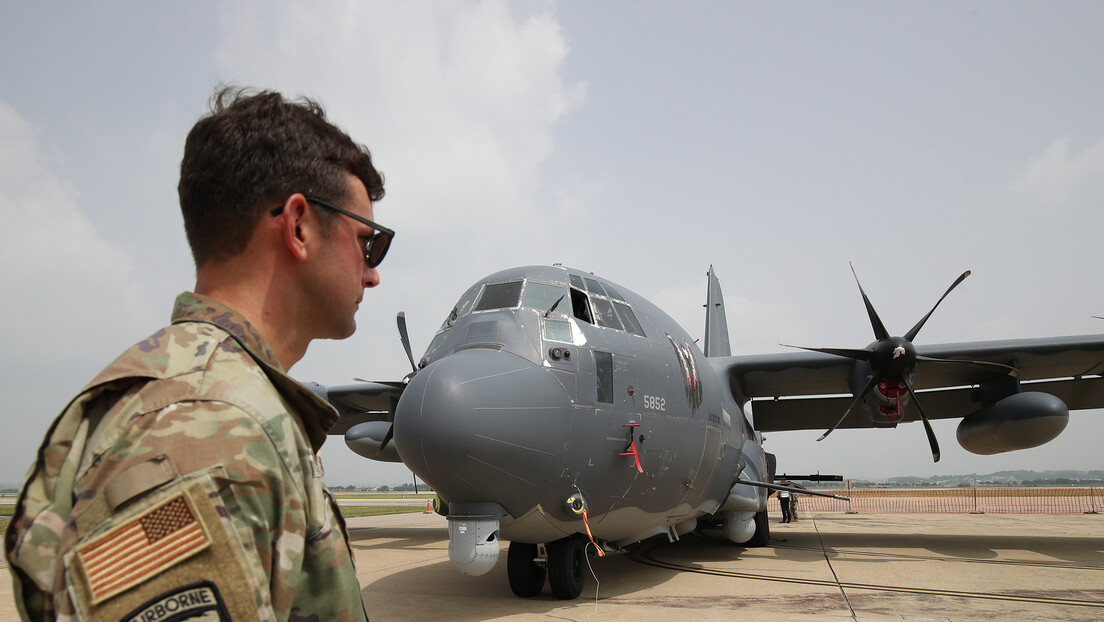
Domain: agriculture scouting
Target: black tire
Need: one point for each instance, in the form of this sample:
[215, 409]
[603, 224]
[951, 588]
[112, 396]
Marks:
[567, 567]
[526, 576]
[762, 530]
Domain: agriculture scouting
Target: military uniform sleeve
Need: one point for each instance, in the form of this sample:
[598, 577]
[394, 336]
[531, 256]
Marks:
[192, 490]
[274, 490]
[257, 479]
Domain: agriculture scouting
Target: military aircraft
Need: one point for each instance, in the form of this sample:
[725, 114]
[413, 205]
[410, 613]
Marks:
[556, 410]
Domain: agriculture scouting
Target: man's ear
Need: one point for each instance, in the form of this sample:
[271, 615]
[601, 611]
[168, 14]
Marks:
[295, 223]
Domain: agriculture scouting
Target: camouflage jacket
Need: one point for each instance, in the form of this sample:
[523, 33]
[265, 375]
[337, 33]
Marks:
[185, 480]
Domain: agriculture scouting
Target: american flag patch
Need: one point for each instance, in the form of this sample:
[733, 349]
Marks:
[143, 547]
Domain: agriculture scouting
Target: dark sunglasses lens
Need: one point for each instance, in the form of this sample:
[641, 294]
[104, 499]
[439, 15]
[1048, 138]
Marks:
[378, 249]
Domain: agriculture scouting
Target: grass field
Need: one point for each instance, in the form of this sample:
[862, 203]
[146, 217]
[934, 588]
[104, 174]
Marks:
[353, 511]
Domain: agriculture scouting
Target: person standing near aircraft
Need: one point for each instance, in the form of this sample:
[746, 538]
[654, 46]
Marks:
[784, 501]
[185, 479]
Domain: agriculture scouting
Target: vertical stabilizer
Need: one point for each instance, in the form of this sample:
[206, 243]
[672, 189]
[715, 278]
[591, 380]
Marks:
[716, 325]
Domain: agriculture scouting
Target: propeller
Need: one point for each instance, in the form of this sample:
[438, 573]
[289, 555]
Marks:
[893, 359]
[404, 337]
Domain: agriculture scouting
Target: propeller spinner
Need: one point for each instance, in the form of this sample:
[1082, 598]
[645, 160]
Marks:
[893, 360]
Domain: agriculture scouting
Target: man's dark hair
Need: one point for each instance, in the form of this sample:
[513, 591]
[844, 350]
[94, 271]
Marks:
[249, 154]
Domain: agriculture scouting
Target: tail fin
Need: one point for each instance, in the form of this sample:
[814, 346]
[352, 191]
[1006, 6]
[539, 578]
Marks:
[716, 325]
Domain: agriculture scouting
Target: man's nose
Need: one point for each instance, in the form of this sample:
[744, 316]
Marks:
[370, 278]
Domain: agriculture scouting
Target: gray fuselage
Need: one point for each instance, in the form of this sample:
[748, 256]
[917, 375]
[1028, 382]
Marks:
[542, 391]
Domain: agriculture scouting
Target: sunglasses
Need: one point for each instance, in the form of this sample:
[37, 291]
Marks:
[377, 246]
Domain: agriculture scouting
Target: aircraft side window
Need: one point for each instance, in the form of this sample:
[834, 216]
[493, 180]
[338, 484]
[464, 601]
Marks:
[577, 282]
[499, 296]
[580, 306]
[604, 315]
[628, 318]
[603, 369]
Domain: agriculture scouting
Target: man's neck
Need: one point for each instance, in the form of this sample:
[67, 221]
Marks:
[263, 304]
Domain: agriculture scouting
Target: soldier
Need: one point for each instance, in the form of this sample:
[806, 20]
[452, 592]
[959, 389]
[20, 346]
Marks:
[184, 480]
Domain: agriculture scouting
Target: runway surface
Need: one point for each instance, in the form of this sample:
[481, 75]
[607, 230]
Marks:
[828, 566]
[825, 567]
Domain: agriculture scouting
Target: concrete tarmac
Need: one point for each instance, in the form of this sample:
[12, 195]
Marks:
[827, 566]
[824, 567]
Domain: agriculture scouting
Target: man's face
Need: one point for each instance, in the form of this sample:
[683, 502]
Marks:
[339, 274]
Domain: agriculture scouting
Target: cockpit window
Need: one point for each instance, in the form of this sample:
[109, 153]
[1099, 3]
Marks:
[580, 306]
[499, 296]
[605, 306]
[613, 293]
[604, 315]
[546, 297]
[628, 318]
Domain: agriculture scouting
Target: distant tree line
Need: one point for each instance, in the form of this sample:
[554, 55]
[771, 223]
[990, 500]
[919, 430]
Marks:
[399, 488]
[1062, 481]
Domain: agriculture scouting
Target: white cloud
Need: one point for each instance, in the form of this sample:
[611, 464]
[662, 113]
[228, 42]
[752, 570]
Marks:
[69, 291]
[1057, 176]
[456, 100]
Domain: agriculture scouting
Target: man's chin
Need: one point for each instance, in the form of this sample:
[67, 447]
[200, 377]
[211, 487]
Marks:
[341, 332]
[345, 334]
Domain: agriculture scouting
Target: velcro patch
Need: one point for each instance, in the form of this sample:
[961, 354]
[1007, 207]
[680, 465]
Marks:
[143, 547]
[182, 604]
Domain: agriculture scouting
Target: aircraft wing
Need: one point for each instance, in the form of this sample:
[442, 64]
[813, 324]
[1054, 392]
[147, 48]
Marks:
[809, 390]
[362, 401]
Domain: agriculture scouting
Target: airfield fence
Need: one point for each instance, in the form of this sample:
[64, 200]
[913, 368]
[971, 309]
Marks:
[954, 501]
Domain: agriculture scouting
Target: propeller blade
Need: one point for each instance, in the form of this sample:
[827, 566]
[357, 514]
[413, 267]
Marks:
[932, 442]
[387, 437]
[851, 353]
[916, 329]
[880, 331]
[873, 382]
[1011, 371]
[404, 336]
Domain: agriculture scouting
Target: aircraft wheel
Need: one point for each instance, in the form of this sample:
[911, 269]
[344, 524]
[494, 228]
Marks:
[526, 576]
[762, 530]
[566, 565]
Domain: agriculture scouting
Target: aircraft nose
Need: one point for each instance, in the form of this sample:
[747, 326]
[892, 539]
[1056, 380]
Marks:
[479, 423]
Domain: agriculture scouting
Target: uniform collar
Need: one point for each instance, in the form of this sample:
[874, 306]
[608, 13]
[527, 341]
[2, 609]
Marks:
[192, 307]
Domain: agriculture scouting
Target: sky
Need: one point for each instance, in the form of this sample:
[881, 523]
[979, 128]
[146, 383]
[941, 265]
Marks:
[643, 141]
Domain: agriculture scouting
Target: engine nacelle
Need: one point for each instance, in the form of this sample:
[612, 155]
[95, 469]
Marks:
[365, 438]
[1019, 421]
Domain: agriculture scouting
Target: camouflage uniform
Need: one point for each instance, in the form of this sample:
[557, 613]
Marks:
[185, 480]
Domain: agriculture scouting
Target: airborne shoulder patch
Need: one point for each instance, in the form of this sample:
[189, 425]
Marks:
[143, 547]
[188, 602]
